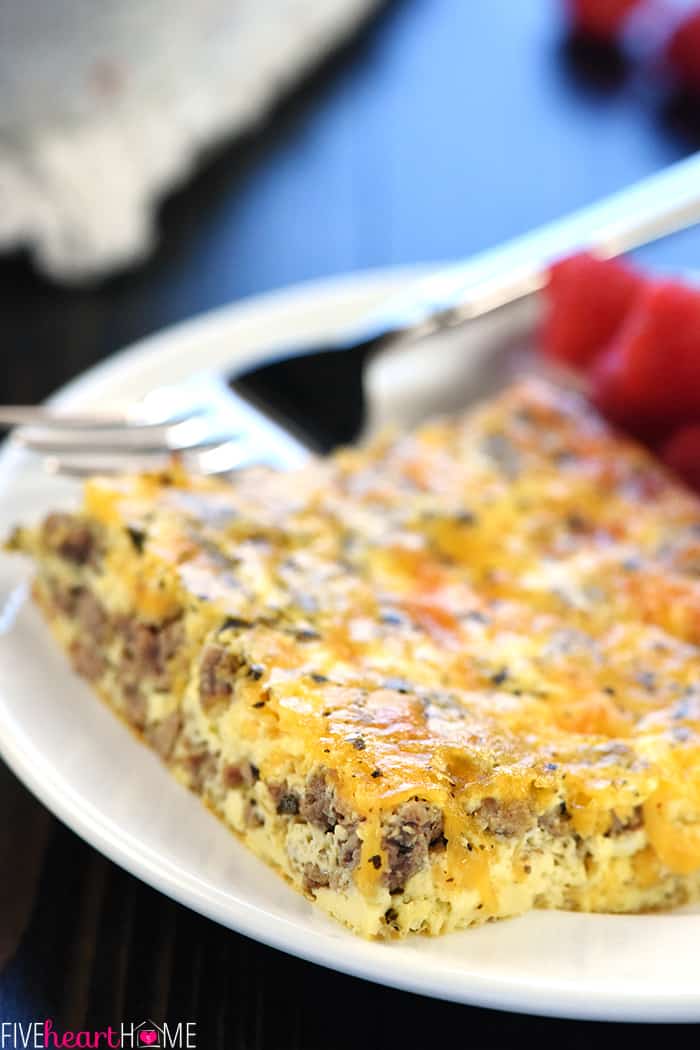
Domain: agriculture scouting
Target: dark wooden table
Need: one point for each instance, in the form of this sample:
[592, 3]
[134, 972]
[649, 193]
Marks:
[446, 127]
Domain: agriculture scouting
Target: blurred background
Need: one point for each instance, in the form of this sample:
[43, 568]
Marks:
[152, 168]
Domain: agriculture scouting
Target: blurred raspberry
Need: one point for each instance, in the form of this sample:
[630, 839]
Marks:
[600, 19]
[649, 375]
[683, 52]
[585, 302]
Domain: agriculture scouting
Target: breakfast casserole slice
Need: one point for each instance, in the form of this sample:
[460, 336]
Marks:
[442, 679]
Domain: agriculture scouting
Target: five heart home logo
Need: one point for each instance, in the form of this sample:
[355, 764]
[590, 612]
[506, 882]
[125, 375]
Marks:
[43, 1035]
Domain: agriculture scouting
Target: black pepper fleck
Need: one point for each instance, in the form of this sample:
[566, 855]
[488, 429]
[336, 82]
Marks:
[137, 537]
[234, 623]
[306, 634]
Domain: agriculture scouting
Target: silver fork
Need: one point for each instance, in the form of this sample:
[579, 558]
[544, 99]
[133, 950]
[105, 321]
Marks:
[215, 430]
[201, 421]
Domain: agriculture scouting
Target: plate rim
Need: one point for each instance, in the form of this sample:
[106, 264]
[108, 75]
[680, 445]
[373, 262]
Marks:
[354, 956]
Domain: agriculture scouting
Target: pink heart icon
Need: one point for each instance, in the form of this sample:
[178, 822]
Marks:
[149, 1036]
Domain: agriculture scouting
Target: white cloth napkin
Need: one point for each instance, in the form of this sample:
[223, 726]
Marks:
[108, 105]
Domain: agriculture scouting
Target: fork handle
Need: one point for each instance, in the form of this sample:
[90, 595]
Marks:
[644, 212]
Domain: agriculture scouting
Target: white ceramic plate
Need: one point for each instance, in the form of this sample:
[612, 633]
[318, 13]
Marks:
[88, 769]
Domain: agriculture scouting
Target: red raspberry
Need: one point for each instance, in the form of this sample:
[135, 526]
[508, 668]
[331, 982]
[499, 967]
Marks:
[683, 52]
[602, 19]
[649, 377]
[586, 301]
[682, 454]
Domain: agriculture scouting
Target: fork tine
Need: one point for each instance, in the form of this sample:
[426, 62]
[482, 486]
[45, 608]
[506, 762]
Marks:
[190, 435]
[50, 446]
[219, 459]
[41, 416]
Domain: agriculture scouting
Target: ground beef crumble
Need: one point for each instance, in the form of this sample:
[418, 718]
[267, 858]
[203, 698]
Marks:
[145, 653]
[70, 538]
[320, 804]
[410, 834]
[147, 649]
[202, 766]
[91, 616]
[162, 735]
[87, 660]
[504, 818]
[217, 672]
[241, 774]
[556, 821]
[633, 823]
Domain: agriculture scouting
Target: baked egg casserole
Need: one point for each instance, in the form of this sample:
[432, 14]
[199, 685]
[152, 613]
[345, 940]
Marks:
[438, 680]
